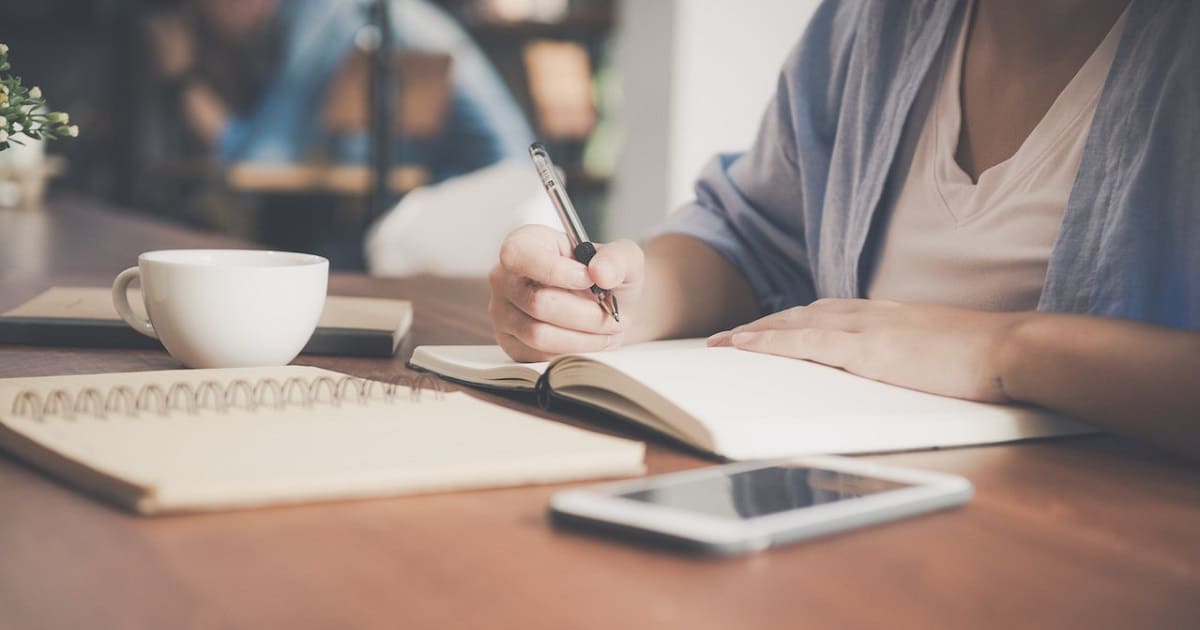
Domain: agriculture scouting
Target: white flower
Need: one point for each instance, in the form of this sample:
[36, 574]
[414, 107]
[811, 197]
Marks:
[3, 136]
[58, 117]
[17, 127]
[3, 122]
[3, 49]
[35, 92]
[73, 131]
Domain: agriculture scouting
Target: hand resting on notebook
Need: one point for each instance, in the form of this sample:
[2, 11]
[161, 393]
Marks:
[1128, 376]
[904, 344]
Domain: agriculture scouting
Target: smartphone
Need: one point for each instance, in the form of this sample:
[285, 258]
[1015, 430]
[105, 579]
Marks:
[751, 506]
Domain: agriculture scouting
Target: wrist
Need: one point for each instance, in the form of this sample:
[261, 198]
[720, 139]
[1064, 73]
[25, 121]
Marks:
[643, 329]
[1013, 352]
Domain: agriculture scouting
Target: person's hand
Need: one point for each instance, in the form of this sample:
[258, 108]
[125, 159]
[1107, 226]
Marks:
[938, 349]
[542, 305]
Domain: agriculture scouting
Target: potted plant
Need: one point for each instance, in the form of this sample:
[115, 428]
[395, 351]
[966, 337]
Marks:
[23, 111]
[25, 123]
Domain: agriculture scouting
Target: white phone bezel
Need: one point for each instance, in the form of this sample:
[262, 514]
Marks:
[929, 491]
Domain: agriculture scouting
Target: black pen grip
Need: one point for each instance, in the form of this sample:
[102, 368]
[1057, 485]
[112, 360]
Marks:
[584, 252]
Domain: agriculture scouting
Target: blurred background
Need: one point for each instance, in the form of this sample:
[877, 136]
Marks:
[262, 119]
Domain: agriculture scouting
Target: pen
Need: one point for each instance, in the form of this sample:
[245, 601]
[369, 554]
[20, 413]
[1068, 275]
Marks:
[581, 248]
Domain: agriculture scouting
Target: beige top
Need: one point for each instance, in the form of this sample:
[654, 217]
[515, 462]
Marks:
[985, 245]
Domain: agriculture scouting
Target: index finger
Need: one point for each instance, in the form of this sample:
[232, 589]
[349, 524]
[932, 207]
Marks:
[845, 315]
[543, 255]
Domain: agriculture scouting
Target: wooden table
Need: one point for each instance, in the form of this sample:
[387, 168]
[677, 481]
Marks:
[1091, 532]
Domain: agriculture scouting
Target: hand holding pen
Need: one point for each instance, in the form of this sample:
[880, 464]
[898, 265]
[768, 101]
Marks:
[545, 302]
[581, 247]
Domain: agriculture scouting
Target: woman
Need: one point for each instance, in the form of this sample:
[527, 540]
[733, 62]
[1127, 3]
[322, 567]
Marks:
[995, 200]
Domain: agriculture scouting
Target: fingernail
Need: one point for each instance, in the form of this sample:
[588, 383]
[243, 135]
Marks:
[745, 338]
[719, 338]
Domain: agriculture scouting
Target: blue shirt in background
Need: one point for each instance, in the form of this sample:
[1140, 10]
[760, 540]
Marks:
[484, 124]
[795, 213]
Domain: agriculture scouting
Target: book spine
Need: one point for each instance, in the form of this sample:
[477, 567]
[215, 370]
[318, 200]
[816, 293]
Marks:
[542, 391]
[83, 333]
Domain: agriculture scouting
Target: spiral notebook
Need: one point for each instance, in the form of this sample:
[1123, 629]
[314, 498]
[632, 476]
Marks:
[188, 440]
[743, 405]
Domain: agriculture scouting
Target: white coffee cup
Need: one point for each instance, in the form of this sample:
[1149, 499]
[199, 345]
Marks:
[227, 307]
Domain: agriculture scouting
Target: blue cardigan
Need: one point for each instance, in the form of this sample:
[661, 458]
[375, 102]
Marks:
[795, 213]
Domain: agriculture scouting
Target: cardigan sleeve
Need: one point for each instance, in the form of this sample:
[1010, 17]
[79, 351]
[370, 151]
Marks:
[761, 209]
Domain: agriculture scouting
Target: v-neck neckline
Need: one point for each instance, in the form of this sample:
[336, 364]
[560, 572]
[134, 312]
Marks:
[1075, 102]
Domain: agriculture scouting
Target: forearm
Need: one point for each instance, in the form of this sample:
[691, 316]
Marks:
[204, 111]
[690, 291]
[1127, 377]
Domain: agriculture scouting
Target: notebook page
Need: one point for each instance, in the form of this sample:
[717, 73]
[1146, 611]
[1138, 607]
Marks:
[483, 365]
[239, 458]
[757, 405]
[489, 365]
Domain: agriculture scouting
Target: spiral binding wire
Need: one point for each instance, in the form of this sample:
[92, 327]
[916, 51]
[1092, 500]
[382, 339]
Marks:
[239, 394]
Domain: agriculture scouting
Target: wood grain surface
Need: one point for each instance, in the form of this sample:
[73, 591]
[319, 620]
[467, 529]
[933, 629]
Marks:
[1079, 533]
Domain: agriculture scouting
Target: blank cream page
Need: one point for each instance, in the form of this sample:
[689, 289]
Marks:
[757, 405]
[489, 365]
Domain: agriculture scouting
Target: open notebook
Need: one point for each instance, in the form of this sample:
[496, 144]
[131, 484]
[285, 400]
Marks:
[185, 440]
[743, 405]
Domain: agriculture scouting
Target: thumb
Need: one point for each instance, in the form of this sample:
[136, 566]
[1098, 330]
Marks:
[617, 263]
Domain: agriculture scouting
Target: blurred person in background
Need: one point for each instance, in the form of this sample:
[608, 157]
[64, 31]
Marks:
[250, 81]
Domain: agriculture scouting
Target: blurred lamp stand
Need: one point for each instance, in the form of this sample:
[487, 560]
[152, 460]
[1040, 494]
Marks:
[378, 39]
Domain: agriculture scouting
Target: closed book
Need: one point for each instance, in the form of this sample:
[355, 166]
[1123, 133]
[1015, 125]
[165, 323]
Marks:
[85, 317]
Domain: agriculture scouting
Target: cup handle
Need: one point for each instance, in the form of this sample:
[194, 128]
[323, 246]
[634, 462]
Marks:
[121, 302]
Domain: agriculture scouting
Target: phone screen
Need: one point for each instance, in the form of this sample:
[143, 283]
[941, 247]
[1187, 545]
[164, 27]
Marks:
[762, 491]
